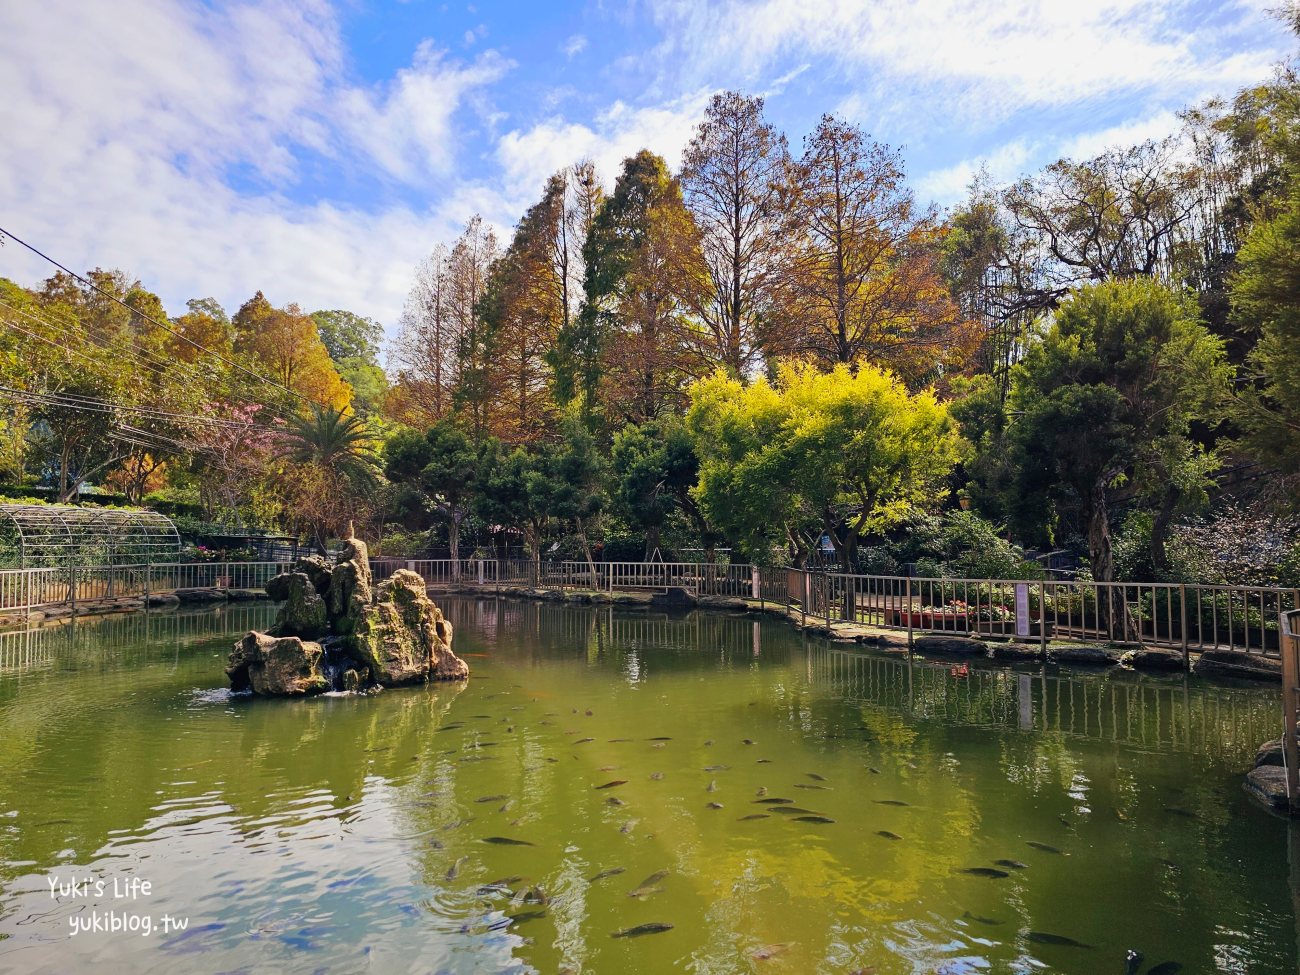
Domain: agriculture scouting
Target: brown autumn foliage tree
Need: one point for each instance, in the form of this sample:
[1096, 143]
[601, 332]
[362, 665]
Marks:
[284, 345]
[655, 348]
[523, 312]
[731, 178]
[863, 275]
[440, 354]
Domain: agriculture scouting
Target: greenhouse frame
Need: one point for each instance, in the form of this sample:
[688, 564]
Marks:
[34, 536]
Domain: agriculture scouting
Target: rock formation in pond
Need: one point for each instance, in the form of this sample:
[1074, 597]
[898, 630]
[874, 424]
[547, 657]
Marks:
[369, 636]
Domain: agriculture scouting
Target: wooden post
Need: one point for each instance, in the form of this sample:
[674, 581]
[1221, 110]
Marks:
[1289, 641]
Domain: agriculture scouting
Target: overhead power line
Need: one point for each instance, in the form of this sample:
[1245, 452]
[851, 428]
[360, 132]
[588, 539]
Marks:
[166, 328]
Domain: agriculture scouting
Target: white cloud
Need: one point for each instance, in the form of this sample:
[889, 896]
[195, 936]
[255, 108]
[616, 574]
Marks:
[530, 156]
[948, 185]
[1087, 145]
[165, 138]
[981, 59]
[1009, 162]
[574, 45]
[408, 128]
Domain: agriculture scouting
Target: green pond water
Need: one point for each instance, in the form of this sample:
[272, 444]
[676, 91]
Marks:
[365, 834]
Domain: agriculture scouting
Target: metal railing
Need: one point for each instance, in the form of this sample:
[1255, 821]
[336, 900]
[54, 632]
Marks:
[1186, 618]
[31, 589]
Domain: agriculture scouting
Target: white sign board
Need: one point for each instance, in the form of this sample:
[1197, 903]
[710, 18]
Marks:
[1022, 609]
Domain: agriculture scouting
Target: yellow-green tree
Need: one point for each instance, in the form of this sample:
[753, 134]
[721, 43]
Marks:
[845, 453]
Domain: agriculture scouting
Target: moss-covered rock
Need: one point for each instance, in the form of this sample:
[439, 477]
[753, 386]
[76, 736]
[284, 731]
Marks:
[350, 587]
[404, 638]
[395, 635]
[303, 611]
[276, 666]
[318, 571]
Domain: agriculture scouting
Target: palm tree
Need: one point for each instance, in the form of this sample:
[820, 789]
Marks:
[337, 447]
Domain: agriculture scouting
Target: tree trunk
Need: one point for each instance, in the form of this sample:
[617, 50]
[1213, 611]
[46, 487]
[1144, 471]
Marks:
[1160, 532]
[653, 537]
[453, 541]
[586, 550]
[1099, 542]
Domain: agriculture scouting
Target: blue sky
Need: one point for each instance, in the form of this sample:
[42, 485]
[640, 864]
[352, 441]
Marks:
[318, 151]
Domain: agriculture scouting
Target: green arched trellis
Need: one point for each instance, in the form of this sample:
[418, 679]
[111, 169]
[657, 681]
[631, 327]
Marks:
[50, 535]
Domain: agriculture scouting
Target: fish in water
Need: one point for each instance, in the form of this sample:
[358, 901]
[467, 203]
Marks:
[712, 786]
[583, 741]
[497, 886]
[1165, 968]
[809, 785]
[614, 741]
[749, 741]
[762, 791]
[608, 768]
[615, 801]
[984, 872]
[715, 805]
[1179, 811]
[656, 776]
[813, 819]
[768, 951]
[815, 777]
[660, 738]
[887, 834]
[653, 879]
[708, 743]
[454, 870]
[773, 801]
[506, 841]
[653, 927]
[744, 819]
[764, 761]
[491, 798]
[528, 916]
[892, 802]
[1132, 962]
[982, 920]
[794, 811]
[873, 771]
[1044, 938]
[1044, 847]
[611, 872]
[1012, 864]
[610, 785]
[532, 895]
[717, 768]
